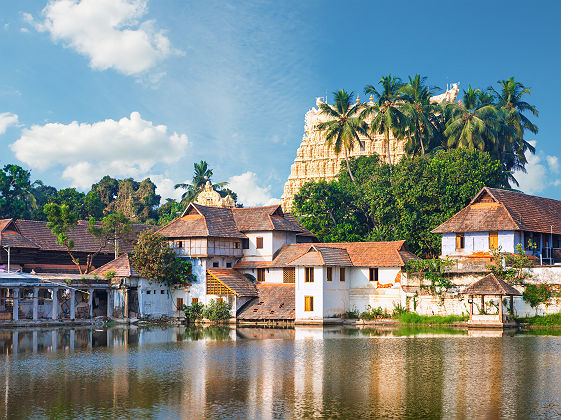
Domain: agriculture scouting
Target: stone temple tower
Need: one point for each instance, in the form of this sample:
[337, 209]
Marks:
[316, 161]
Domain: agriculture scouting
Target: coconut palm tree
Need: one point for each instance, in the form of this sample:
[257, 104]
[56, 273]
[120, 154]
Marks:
[387, 112]
[344, 124]
[201, 175]
[424, 129]
[472, 123]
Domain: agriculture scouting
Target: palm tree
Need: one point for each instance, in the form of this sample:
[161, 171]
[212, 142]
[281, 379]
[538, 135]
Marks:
[424, 126]
[344, 124]
[387, 112]
[472, 123]
[201, 175]
[513, 124]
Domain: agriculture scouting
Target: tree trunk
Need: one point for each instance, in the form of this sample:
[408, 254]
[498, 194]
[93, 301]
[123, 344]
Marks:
[388, 146]
[348, 165]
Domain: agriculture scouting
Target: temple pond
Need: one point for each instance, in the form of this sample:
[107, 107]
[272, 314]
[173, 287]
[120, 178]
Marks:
[172, 372]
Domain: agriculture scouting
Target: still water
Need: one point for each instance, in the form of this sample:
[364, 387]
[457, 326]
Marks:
[175, 372]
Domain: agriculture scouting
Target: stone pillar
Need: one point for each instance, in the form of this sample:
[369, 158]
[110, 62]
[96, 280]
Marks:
[55, 303]
[501, 308]
[15, 315]
[109, 308]
[72, 304]
[35, 303]
[91, 295]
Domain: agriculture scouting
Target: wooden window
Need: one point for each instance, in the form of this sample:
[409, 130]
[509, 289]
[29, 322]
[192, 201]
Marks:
[309, 274]
[329, 274]
[193, 300]
[308, 303]
[180, 244]
[288, 275]
[493, 240]
[237, 245]
[342, 274]
[245, 243]
[259, 242]
[229, 265]
[460, 241]
[179, 304]
[215, 264]
[373, 276]
[260, 274]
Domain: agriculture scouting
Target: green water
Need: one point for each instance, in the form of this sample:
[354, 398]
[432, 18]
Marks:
[274, 373]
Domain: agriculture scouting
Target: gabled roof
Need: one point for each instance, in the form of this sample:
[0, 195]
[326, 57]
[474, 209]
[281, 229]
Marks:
[361, 254]
[11, 236]
[265, 219]
[203, 221]
[318, 256]
[491, 285]
[493, 209]
[274, 301]
[121, 266]
[234, 280]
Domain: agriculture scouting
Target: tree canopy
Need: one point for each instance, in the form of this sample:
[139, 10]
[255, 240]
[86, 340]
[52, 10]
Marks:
[419, 194]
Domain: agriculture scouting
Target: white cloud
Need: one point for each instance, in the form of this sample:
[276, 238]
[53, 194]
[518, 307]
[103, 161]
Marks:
[249, 192]
[109, 32]
[7, 119]
[129, 147]
[165, 187]
[541, 172]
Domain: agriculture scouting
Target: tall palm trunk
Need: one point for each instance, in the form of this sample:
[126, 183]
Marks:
[421, 140]
[348, 165]
[388, 146]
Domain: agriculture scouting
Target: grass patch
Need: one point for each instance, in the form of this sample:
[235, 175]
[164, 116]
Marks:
[413, 318]
[545, 320]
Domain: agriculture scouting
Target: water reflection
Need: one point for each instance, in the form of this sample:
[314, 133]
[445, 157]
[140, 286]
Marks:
[270, 373]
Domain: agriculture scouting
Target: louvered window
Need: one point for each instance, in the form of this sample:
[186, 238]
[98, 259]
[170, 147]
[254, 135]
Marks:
[288, 275]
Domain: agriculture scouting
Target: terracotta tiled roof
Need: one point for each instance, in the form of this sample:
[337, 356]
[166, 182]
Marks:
[320, 255]
[234, 280]
[361, 254]
[121, 266]
[494, 209]
[490, 285]
[275, 302]
[242, 264]
[266, 219]
[203, 221]
[11, 236]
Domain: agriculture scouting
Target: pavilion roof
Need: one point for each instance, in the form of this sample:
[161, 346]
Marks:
[491, 285]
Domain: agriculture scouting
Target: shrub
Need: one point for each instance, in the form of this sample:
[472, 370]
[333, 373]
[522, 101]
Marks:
[217, 310]
[354, 314]
[546, 320]
[194, 312]
[414, 318]
[536, 294]
[374, 313]
[398, 310]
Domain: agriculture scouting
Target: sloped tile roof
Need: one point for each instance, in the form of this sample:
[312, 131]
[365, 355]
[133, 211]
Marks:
[274, 302]
[265, 219]
[234, 280]
[361, 254]
[490, 285]
[12, 237]
[121, 266]
[319, 255]
[243, 264]
[502, 210]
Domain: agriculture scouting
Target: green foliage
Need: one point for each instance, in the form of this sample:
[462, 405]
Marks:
[169, 212]
[414, 318]
[16, 193]
[514, 270]
[420, 193]
[353, 314]
[398, 310]
[217, 310]
[194, 312]
[374, 313]
[433, 270]
[153, 259]
[545, 320]
[201, 175]
[535, 294]
[110, 275]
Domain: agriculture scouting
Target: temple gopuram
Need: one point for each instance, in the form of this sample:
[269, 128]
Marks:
[316, 161]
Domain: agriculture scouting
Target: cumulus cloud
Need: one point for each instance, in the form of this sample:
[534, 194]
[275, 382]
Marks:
[249, 192]
[130, 147]
[7, 119]
[109, 32]
[541, 172]
[165, 187]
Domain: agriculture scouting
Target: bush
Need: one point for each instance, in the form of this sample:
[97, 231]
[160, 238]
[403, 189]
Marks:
[194, 312]
[398, 310]
[414, 318]
[217, 310]
[546, 320]
[536, 294]
[374, 313]
[354, 314]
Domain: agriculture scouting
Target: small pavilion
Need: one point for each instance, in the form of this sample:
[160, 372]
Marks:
[494, 287]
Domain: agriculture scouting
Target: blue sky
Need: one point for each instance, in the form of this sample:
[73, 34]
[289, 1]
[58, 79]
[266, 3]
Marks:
[146, 88]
